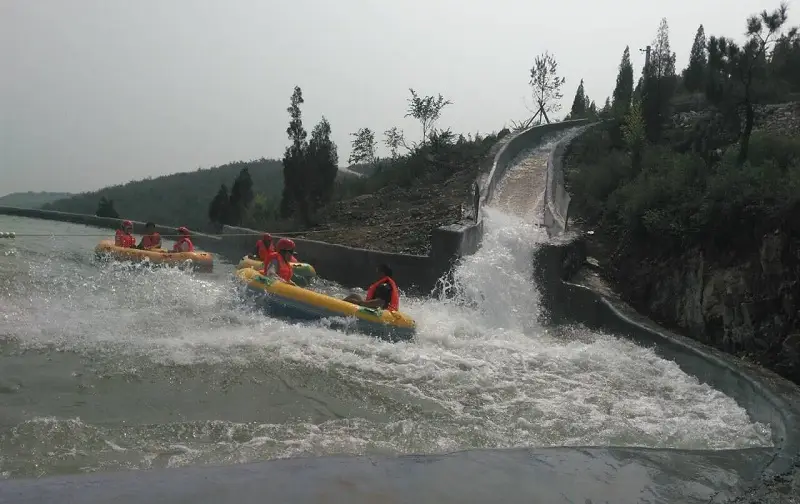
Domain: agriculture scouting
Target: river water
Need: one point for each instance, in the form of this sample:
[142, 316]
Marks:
[108, 367]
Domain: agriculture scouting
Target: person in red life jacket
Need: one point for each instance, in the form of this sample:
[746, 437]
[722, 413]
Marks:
[124, 237]
[151, 238]
[184, 243]
[278, 263]
[264, 248]
[382, 294]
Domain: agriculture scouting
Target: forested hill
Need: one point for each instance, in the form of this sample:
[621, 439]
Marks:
[177, 199]
[31, 199]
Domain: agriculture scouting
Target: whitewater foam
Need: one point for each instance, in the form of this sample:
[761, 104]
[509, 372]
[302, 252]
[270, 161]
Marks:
[175, 368]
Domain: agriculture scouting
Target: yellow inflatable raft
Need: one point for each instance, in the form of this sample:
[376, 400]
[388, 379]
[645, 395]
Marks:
[302, 273]
[201, 261]
[287, 300]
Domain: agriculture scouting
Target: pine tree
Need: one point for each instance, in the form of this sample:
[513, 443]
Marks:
[606, 110]
[105, 208]
[659, 83]
[218, 210]
[579, 105]
[322, 160]
[241, 197]
[694, 75]
[623, 91]
[293, 161]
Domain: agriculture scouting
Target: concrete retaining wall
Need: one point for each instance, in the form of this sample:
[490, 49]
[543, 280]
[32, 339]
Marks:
[766, 397]
[557, 199]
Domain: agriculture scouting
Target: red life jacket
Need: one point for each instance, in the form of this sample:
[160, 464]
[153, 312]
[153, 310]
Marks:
[179, 245]
[124, 240]
[394, 304]
[263, 251]
[151, 240]
[285, 271]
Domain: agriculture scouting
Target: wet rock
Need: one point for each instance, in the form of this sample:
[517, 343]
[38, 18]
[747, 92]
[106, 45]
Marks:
[746, 304]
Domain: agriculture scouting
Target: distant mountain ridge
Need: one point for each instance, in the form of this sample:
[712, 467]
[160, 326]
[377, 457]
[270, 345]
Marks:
[32, 199]
[179, 199]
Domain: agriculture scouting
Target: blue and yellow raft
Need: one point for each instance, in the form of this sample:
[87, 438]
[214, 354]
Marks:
[302, 273]
[282, 299]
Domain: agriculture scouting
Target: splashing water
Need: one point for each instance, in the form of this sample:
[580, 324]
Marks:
[108, 367]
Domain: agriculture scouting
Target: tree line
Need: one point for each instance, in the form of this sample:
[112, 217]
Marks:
[174, 199]
[652, 180]
[310, 166]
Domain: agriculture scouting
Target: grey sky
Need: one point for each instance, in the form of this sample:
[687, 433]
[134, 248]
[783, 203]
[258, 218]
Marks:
[98, 92]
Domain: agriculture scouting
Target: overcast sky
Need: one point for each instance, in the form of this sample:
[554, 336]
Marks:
[99, 92]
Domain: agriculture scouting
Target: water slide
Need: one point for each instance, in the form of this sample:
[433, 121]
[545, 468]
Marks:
[123, 384]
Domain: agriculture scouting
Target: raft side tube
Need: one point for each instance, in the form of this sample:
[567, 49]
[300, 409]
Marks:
[201, 261]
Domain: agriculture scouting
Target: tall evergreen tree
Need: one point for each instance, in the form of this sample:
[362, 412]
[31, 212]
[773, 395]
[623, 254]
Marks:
[241, 196]
[293, 162]
[659, 83]
[605, 112]
[322, 160]
[218, 210]
[578, 109]
[623, 91]
[105, 208]
[694, 74]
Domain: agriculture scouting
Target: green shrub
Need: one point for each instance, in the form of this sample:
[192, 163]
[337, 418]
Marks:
[677, 199]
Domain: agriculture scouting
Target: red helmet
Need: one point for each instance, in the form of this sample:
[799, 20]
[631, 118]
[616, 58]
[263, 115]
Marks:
[266, 237]
[285, 244]
[127, 224]
[183, 230]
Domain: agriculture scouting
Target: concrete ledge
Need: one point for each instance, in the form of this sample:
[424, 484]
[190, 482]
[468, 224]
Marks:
[557, 199]
[516, 476]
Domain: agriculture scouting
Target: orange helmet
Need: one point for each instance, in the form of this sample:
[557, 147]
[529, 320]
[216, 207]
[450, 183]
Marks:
[285, 244]
[183, 230]
[266, 237]
[127, 224]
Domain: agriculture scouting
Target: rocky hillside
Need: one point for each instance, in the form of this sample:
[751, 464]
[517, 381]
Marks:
[397, 208]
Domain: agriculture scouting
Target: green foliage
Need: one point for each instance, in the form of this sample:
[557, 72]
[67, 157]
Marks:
[219, 210]
[546, 86]
[659, 83]
[676, 199]
[580, 104]
[322, 165]
[427, 110]
[623, 91]
[394, 139]
[634, 133]
[309, 167]
[241, 197]
[174, 200]
[785, 61]
[694, 74]
[293, 197]
[442, 156]
[31, 199]
[362, 148]
[105, 208]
